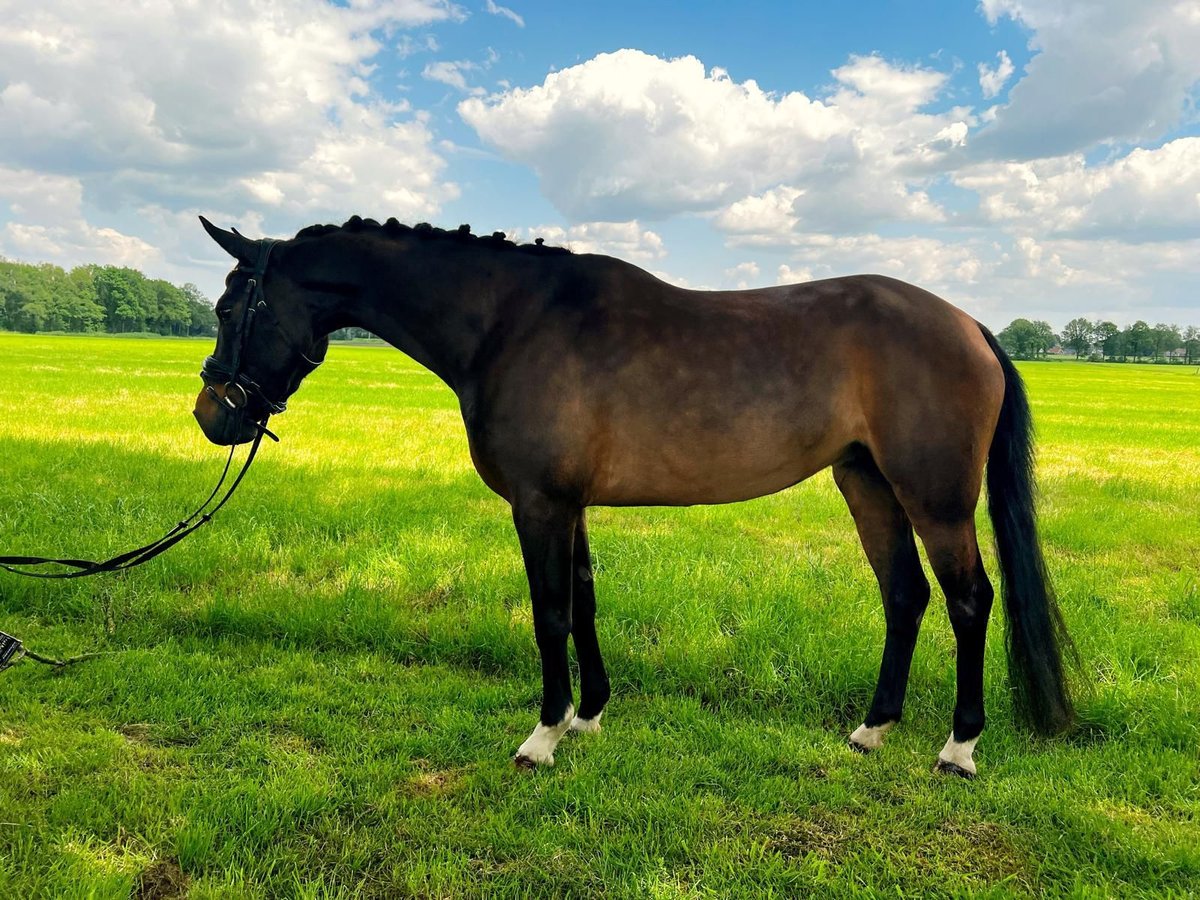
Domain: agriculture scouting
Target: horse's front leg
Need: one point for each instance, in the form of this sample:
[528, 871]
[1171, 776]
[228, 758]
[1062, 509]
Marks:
[546, 529]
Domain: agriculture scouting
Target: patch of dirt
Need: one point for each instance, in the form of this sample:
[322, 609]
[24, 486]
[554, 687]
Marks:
[985, 852]
[822, 834]
[164, 880]
[135, 732]
[431, 782]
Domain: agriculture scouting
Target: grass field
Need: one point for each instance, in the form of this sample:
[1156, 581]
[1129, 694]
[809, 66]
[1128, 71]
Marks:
[319, 694]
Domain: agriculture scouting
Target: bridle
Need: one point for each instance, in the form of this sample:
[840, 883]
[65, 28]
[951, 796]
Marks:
[239, 389]
[239, 386]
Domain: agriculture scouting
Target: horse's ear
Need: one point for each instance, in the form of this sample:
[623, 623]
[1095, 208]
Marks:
[239, 247]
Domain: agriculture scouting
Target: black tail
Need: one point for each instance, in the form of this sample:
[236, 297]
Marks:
[1037, 637]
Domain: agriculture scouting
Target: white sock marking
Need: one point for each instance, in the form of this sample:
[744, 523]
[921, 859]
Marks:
[959, 753]
[539, 746]
[587, 726]
[871, 738]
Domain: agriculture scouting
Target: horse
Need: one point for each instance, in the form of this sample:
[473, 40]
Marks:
[585, 381]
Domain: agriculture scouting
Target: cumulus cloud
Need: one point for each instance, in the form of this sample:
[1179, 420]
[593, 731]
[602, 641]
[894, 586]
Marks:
[1148, 194]
[992, 81]
[926, 261]
[627, 134]
[627, 240]
[743, 275]
[227, 105]
[47, 223]
[1105, 70]
[786, 274]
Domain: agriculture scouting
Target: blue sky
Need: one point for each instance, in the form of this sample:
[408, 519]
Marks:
[1018, 157]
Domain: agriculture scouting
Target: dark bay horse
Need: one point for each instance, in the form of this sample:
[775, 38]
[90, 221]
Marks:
[586, 381]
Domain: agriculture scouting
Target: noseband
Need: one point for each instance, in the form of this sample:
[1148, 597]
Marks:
[239, 387]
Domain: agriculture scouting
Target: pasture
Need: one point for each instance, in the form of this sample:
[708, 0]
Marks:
[319, 694]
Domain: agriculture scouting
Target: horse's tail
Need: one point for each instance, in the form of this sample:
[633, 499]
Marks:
[1036, 637]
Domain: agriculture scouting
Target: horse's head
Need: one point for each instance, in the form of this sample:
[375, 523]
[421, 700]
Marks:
[266, 343]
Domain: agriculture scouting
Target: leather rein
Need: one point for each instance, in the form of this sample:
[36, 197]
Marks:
[239, 388]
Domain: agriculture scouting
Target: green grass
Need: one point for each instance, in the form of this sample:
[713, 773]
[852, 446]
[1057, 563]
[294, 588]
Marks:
[319, 694]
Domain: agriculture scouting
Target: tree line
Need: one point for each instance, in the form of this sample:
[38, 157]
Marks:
[1101, 340]
[91, 298]
[118, 300]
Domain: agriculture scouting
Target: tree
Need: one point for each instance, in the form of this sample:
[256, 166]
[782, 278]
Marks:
[201, 320]
[171, 312]
[1044, 336]
[1078, 335]
[81, 307]
[1191, 344]
[1164, 339]
[1019, 338]
[1106, 335]
[1137, 339]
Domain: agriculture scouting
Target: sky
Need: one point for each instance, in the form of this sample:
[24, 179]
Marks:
[1035, 158]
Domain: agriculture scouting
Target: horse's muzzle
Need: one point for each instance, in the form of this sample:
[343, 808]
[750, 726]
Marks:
[220, 424]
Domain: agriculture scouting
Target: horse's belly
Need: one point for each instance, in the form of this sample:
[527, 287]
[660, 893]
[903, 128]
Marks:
[709, 468]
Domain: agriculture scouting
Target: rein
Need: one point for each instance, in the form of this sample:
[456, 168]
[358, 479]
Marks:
[131, 558]
[239, 387]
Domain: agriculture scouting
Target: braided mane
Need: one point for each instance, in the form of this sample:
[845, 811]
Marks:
[424, 231]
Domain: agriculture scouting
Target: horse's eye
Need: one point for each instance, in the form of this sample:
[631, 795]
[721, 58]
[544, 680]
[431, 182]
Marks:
[223, 312]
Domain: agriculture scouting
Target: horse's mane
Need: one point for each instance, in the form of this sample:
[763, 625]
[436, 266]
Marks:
[424, 231]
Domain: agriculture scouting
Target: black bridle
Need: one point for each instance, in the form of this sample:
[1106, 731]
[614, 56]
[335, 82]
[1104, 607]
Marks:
[239, 389]
[239, 386]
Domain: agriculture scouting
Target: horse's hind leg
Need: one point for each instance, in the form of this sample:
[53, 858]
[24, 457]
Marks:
[593, 680]
[953, 552]
[887, 538]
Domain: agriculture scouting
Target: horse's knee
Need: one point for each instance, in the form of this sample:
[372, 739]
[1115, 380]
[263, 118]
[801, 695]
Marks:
[909, 598]
[551, 627]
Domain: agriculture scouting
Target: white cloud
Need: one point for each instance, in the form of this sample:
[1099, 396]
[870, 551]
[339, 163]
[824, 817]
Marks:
[992, 81]
[1106, 70]
[228, 105]
[743, 275]
[47, 224]
[625, 240]
[452, 73]
[628, 134]
[907, 88]
[786, 274]
[1144, 195]
[769, 212]
[926, 261]
[497, 10]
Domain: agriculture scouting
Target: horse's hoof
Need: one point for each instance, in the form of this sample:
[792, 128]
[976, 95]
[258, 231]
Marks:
[859, 748]
[949, 768]
[524, 762]
[585, 726]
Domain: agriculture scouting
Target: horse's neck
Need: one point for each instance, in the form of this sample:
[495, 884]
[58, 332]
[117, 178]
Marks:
[436, 307]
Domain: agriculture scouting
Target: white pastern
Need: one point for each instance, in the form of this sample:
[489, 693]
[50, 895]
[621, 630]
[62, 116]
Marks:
[538, 748]
[959, 753]
[587, 726]
[870, 738]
